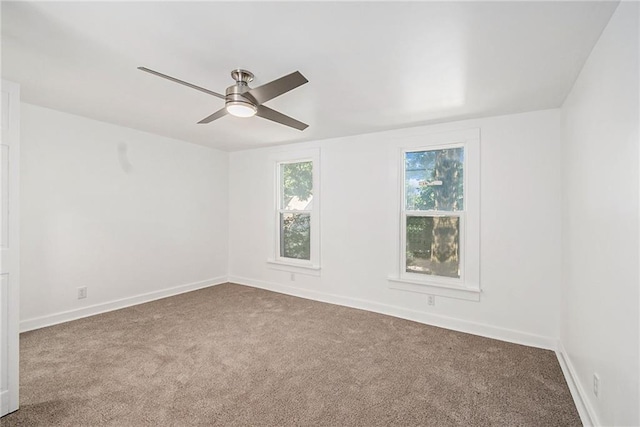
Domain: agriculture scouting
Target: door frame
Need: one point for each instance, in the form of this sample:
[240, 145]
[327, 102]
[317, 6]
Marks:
[10, 265]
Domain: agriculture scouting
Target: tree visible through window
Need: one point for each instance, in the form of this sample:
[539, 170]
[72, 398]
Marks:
[433, 203]
[295, 208]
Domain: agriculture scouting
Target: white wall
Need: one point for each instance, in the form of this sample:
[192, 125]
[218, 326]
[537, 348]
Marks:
[599, 322]
[520, 228]
[123, 212]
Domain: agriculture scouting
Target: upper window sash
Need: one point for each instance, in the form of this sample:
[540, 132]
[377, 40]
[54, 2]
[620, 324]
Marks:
[430, 193]
[294, 204]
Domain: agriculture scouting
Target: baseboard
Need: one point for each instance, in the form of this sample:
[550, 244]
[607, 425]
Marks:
[66, 316]
[585, 410]
[459, 325]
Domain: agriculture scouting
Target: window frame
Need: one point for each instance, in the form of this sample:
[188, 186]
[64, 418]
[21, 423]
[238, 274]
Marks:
[312, 265]
[467, 286]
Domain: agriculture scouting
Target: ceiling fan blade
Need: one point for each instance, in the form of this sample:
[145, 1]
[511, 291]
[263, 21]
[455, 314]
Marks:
[173, 79]
[273, 115]
[277, 87]
[214, 116]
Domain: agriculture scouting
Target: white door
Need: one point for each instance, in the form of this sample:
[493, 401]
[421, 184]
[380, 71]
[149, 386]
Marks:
[9, 247]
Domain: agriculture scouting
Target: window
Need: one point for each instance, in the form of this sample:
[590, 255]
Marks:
[433, 211]
[296, 222]
[295, 201]
[439, 216]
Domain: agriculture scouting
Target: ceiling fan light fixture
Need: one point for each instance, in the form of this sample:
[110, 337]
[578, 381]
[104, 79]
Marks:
[241, 109]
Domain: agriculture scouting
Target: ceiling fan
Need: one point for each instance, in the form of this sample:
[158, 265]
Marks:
[243, 101]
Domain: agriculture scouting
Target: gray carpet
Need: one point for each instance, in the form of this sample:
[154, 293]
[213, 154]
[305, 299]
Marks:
[234, 355]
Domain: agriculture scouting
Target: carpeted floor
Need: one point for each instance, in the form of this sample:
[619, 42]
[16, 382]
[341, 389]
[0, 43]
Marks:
[234, 355]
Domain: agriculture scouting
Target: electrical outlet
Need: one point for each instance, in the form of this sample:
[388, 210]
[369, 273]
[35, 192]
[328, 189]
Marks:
[82, 292]
[431, 300]
[293, 277]
[596, 384]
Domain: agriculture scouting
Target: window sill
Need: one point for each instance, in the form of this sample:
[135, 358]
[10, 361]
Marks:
[430, 288]
[308, 269]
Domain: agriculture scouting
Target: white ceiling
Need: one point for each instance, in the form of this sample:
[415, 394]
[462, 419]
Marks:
[370, 66]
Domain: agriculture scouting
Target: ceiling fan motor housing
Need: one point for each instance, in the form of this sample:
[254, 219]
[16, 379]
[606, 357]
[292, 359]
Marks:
[234, 94]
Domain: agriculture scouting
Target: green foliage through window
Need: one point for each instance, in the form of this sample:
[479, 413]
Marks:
[295, 241]
[297, 181]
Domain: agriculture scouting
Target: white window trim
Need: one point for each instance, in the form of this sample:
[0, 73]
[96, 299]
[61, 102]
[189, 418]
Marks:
[468, 285]
[274, 260]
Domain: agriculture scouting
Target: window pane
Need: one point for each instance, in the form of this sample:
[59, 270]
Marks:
[433, 245]
[296, 192]
[295, 238]
[433, 179]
